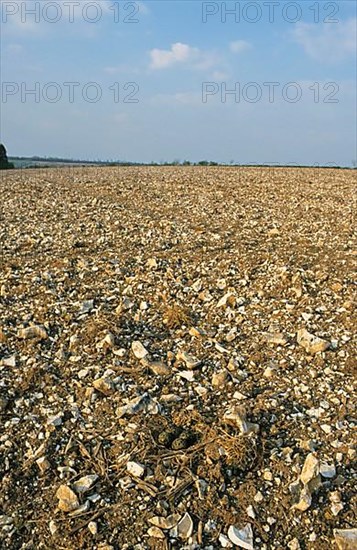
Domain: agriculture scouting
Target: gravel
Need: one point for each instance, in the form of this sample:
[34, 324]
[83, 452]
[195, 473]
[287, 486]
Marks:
[177, 364]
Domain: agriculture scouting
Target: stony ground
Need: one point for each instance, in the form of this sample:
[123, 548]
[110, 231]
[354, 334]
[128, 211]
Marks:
[177, 358]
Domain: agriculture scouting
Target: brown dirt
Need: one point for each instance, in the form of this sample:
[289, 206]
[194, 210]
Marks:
[281, 244]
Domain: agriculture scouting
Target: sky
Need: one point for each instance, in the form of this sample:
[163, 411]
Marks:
[243, 82]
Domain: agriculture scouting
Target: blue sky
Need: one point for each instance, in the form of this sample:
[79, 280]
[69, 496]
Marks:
[151, 80]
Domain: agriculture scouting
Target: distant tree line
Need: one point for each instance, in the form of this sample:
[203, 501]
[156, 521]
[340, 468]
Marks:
[4, 161]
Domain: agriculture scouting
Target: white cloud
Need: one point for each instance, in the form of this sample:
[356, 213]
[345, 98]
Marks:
[220, 75]
[330, 43]
[179, 53]
[239, 46]
[182, 54]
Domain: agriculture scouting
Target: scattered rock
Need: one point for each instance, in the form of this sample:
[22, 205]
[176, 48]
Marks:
[87, 307]
[68, 501]
[36, 332]
[311, 469]
[219, 379]
[139, 350]
[102, 258]
[190, 361]
[93, 527]
[156, 533]
[84, 484]
[327, 470]
[43, 464]
[135, 469]
[276, 338]
[336, 503]
[346, 539]
[104, 386]
[9, 361]
[55, 420]
[311, 344]
[243, 538]
[185, 526]
[143, 403]
[165, 523]
[157, 367]
[236, 416]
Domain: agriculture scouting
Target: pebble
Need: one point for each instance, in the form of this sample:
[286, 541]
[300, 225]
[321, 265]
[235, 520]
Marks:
[52, 527]
[196, 332]
[139, 350]
[165, 523]
[221, 284]
[190, 361]
[35, 331]
[219, 379]
[236, 416]
[269, 372]
[243, 538]
[187, 375]
[336, 503]
[185, 526]
[231, 335]
[326, 428]
[143, 403]
[225, 542]
[135, 469]
[6, 520]
[93, 527]
[221, 348]
[68, 500]
[104, 386]
[202, 487]
[9, 361]
[43, 464]
[312, 344]
[3, 404]
[346, 539]
[327, 470]
[276, 338]
[250, 512]
[87, 307]
[55, 420]
[305, 500]
[157, 367]
[152, 263]
[80, 510]
[84, 484]
[108, 341]
[311, 469]
[228, 299]
[156, 533]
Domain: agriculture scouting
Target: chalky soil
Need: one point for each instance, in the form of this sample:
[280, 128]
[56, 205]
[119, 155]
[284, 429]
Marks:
[177, 358]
